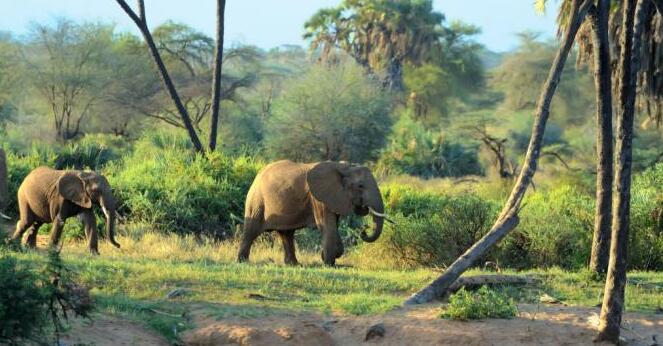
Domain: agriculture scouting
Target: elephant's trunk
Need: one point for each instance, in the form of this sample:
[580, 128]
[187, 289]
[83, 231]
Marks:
[108, 206]
[373, 201]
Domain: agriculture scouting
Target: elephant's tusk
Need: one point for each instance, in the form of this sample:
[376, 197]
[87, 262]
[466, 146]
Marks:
[5, 216]
[105, 212]
[376, 213]
[382, 215]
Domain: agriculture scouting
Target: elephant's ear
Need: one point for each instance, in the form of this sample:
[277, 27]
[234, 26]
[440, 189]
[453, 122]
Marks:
[325, 181]
[72, 188]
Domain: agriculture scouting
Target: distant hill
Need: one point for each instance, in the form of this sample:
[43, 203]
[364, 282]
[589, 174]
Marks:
[490, 59]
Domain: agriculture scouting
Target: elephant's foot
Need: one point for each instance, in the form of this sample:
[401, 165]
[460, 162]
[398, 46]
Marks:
[291, 262]
[328, 260]
[94, 252]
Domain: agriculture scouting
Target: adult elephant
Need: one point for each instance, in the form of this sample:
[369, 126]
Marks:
[4, 193]
[286, 196]
[51, 196]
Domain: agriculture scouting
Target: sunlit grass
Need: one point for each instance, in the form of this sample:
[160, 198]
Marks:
[134, 281]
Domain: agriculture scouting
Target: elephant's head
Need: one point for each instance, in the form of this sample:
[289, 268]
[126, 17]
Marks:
[346, 188]
[86, 188]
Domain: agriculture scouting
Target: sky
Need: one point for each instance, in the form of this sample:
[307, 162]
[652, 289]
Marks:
[270, 23]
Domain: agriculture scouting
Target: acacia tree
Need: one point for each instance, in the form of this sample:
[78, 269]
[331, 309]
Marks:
[141, 22]
[68, 65]
[508, 218]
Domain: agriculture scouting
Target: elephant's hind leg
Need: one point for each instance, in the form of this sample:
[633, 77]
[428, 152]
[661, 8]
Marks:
[32, 235]
[252, 229]
[91, 232]
[288, 240]
[26, 220]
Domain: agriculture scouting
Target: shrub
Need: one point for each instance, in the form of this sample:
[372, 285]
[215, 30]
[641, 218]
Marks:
[22, 310]
[417, 151]
[172, 190]
[483, 303]
[329, 113]
[555, 229]
[84, 155]
[33, 301]
[430, 229]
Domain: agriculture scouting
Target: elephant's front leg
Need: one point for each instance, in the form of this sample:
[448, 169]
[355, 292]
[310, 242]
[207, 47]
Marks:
[56, 230]
[91, 231]
[327, 223]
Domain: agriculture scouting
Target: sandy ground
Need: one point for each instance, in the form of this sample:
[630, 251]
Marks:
[107, 331]
[536, 325]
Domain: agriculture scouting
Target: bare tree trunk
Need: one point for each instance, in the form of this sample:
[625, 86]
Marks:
[508, 218]
[598, 262]
[218, 63]
[629, 63]
[141, 22]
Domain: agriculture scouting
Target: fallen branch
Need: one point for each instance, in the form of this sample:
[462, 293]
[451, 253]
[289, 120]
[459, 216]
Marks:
[476, 281]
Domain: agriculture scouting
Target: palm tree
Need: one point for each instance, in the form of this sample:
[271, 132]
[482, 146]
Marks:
[508, 218]
[636, 30]
[604, 25]
[380, 35]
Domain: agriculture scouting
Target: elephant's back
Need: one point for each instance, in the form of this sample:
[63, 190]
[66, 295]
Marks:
[280, 188]
[40, 177]
[36, 188]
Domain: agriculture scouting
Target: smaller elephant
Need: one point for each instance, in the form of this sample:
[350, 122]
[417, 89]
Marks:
[51, 196]
[286, 196]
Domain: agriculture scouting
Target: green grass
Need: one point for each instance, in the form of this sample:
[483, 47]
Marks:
[134, 281]
[482, 304]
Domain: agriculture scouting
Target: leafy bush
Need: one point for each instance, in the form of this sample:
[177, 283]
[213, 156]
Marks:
[34, 301]
[483, 303]
[21, 302]
[85, 154]
[417, 151]
[430, 229]
[330, 113]
[172, 190]
[646, 232]
[555, 229]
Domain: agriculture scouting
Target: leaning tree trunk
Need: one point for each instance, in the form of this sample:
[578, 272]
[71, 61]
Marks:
[218, 63]
[598, 262]
[629, 62]
[141, 22]
[508, 218]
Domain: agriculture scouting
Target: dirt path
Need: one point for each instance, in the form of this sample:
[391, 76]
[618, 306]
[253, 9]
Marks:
[110, 331]
[536, 325]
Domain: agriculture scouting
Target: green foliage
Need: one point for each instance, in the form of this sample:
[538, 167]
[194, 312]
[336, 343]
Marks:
[481, 304]
[555, 229]
[22, 309]
[522, 73]
[163, 185]
[33, 302]
[84, 155]
[414, 150]
[330, 113]
[430, 230]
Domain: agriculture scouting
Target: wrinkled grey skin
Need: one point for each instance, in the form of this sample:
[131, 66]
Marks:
[286, 196]
[51, 196]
